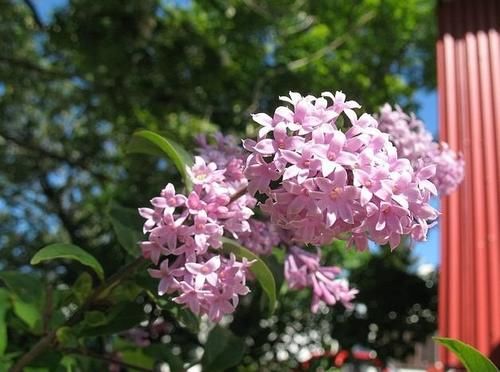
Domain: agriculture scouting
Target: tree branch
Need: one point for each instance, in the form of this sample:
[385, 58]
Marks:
[47, 311]
[35, 14]
[337, 42]
[38, 349]
[30, 66]
[78, 163]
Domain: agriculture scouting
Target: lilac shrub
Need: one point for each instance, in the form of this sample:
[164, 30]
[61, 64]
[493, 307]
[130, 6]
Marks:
[321, 171]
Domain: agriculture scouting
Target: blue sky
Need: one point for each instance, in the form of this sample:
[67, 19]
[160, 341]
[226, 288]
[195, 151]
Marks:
[46, 7]
[427, 252]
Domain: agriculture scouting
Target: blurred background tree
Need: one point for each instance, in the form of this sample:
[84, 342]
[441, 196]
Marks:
[395, 309]
[74, 88]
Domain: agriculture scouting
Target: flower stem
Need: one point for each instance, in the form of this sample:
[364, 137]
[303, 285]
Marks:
[238, 194]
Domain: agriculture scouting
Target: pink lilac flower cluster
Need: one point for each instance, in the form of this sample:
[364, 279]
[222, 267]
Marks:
[303, 270]
[185, 233]
[323, 183]
[450, 167]
[416, 144]
[225, 151]
[262, 237]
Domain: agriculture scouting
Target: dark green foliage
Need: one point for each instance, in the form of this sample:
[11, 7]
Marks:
[406, 315]
[222, 350]
[75, 89]
[395, 309]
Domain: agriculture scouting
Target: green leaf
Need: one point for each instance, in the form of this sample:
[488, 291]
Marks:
[26, 297]
[127, 225]
[27, 287]
[143, 140]
[69, 363]
[471, 358]
[28, 312]
[121, 318]
[82, 287]
[5, 365]
[95, 318]
[138, 358]
[127, 291]
[49, 361]
[223, 350]
[163, 353]
[68, 251]
[185, 317]
[259, 269]
[276, 269]
[339, 123]
[4, 306]
[66, 336]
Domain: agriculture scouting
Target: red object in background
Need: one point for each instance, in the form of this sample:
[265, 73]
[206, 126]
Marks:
[344, 357]
[468, 62]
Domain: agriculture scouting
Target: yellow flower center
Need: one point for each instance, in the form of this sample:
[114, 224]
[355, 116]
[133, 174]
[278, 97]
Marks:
[335, 193]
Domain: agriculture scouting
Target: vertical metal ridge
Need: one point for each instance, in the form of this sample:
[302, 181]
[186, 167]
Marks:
[465, 191]
[451, 201]
[493, 34]
[468, 66]
[479, 215]
[443, 277]
[459, 244]
[490, 167]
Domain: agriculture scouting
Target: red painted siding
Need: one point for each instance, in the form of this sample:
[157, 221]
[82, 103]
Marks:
[468, 61]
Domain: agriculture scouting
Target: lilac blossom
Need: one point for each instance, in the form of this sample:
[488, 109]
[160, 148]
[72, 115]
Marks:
[319, 180]
[205, 271]
[185, 235]
[303, 270]
[416, 144]
[332, 182]
[261, 238]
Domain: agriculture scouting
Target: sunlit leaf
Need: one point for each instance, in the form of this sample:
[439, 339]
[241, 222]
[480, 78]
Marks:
[27, 312]
[69, 363]
[68, 251]
[137, 357]
[147, 142]
[470, 357]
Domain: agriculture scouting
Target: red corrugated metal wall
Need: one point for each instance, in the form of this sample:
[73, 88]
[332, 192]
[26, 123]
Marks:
[468, 61]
